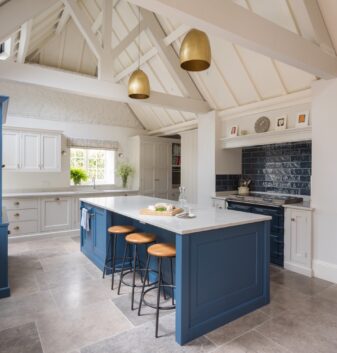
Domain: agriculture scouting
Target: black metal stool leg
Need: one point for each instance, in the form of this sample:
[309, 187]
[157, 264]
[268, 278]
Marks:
[172, 289]
[158, 294]
[138, 262]
[113, 260]
[134, 275]
[122, 270]
[143, 287]
[107, 256]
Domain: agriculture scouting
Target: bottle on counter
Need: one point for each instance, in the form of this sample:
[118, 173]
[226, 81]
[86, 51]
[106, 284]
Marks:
[182, 198]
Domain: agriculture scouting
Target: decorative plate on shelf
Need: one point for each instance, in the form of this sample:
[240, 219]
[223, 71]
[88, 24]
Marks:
[262, 124]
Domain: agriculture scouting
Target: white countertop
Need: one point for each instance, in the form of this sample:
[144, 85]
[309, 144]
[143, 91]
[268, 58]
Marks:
[206, 218]
[305, 205]
[71, 192]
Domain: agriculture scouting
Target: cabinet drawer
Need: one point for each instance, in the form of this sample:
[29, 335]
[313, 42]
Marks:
[20, 204]
[19, 228]
[22, 215]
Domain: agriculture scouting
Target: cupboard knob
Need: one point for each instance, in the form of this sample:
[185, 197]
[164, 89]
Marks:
[17, 215]
[16, 228]
[57, 199]
[17, 203]
[293, 219]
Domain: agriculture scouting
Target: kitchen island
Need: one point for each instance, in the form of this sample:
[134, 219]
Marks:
[222, 259]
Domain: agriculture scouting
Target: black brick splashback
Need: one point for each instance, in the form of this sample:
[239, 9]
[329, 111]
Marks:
[282, 168]
[226, 182]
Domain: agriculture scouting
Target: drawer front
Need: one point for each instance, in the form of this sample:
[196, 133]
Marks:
[20, 228]
[22, 215]
[20, 204]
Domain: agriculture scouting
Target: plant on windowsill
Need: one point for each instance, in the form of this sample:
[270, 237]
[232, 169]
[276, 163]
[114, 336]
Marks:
[77, 175]
[124, 170]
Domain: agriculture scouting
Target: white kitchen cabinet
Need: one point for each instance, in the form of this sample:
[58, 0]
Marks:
[11, 150]
[220, 204]
[151, 157]
[56, 214]
[298, 240]
[30, 150]
[76, 213]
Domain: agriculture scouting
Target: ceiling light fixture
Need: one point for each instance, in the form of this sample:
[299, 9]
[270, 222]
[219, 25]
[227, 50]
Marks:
[139, 85]
[195, 51]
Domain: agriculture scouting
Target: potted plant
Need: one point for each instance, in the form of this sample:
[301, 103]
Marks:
[124, 170]
[77, 175]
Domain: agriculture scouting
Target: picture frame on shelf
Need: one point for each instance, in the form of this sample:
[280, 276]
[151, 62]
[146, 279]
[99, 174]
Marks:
[281, 122]
[234, 131]
[302, 119]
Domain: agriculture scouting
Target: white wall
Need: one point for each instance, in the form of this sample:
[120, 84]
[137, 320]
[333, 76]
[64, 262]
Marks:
[324, 176]
[26, 181]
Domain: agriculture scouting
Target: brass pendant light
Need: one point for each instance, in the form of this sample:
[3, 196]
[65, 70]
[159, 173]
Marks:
[139, 85]
[195, 51]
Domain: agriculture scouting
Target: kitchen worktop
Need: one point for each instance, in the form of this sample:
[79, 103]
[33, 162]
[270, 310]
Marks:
[70, 192]
[206, 218]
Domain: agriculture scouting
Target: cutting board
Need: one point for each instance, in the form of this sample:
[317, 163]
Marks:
[147, 212]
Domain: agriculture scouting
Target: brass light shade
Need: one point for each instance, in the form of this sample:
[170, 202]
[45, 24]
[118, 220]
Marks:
[139, 86]
[195, 51]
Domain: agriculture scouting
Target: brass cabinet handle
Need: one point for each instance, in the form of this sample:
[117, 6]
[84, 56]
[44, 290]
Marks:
[17, 215]
[16, 228]
[57, 199]
[17, 203]
[293, 219]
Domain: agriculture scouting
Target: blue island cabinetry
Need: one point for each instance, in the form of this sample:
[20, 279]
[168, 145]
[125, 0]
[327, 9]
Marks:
[4, 286]
[221, 270]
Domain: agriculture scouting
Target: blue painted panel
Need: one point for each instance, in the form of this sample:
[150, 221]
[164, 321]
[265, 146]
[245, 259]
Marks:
[222, 275]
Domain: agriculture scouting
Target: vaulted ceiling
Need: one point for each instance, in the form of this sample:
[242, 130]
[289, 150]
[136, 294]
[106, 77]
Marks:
[237, 76]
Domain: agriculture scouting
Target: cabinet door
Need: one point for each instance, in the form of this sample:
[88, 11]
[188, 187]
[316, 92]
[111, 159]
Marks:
[30, 152]
[99, 232]
[11, 150]
[161, 170]
[299, 237]
[147, 182]
[76, 213]
[56, 214]
[50, 153]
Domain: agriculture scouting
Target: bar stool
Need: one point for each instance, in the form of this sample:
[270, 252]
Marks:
[160, 251]
[114, 233]
[135, 240]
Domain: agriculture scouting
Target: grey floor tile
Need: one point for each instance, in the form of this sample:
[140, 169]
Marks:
[303, 332]
[237, 327]
[273, 309]
[17, 248]
[300, 283]
[17, 311]
[123, 303]
[22, 285]
[329, 293]
[141, 340]
[71, 329]
[24, 338]
[64, 262]
[251, 342]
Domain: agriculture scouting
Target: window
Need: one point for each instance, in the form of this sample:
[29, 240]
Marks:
[99, 164]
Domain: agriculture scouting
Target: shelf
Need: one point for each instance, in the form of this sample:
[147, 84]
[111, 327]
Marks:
[267, 138]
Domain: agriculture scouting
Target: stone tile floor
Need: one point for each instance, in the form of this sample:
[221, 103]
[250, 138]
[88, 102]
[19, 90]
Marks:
[61, 304]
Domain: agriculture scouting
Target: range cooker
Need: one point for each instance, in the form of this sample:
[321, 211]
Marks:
[270, 205]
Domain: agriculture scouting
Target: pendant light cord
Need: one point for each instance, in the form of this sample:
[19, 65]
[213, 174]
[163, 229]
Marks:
[138, 38]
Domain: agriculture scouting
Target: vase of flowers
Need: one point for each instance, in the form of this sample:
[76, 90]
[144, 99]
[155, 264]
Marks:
[124, 170]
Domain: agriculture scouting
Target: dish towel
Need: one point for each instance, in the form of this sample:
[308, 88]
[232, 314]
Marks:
[85, 219]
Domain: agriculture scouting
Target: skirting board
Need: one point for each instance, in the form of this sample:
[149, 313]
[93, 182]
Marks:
[63, 233]
[325, 270]
[298, 269]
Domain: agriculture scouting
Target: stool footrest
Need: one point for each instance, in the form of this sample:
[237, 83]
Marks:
[138, 285]
[154, 306]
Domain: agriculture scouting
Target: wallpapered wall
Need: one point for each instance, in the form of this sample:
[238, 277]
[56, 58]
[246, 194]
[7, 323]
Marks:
[42, 103]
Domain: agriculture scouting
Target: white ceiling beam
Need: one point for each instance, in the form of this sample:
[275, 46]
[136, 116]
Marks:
[125, 42]
[97, 23]
[84, 27]
[174, 129]
[177, 33]
[106, 61]
[169, 56]
[62, 21]
[143, 59]
[13, 14]
[25, 32]
[92, 87]
[310, 22]
[232, 22]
